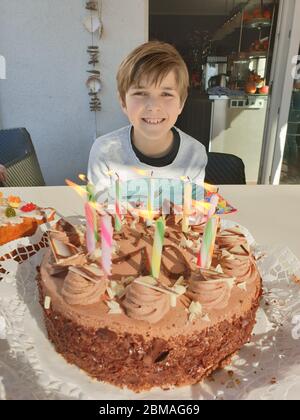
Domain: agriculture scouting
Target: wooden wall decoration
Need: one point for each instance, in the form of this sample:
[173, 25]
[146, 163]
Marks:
[93, 24]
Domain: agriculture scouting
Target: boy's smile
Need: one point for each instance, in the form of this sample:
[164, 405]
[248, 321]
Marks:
[154, 121]
[153, 110]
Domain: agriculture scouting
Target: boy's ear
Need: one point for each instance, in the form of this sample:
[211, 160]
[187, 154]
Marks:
[122, 104]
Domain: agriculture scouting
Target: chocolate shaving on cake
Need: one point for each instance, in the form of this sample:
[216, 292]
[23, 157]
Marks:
[144, 267]
[65, 227]
[180, 260]
[90, 272]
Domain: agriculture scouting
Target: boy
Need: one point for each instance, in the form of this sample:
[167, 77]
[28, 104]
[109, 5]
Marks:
[153, 86]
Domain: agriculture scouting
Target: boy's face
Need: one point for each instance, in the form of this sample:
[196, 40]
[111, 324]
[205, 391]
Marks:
[153, 110]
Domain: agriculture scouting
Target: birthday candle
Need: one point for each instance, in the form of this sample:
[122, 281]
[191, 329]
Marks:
[90, 232]
[208, 243]
[148, 214]
[157, 247]
[91, 192]
[150, 200]
[90, 207]
[106, 243]
[214, 200]
[187, 203]
[118, 220]
[90, 188]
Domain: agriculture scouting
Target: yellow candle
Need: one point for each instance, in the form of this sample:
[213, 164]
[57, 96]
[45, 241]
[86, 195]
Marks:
[150, 200]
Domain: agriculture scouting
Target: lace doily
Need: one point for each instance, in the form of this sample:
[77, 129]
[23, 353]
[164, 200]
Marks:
[22, 249]
[267, 368]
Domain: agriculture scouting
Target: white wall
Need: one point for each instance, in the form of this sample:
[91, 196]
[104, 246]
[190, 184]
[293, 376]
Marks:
[240, 132]
[44, 44]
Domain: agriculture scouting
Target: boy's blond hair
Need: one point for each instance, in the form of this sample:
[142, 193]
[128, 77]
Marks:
[153, 60]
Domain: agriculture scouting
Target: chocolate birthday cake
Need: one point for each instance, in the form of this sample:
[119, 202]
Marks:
[136, 331]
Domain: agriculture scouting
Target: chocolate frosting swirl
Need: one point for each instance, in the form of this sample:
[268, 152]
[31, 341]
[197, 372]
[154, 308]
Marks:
[145, 304]
[241, 266]
[210, 288]
[230, 238]
[79, 291]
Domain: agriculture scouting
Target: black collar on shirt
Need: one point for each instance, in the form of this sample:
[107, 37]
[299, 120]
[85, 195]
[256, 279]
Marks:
[164, 160]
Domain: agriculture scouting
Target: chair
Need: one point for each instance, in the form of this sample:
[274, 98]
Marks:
[195, 119]
[224, 169]
[17, 154]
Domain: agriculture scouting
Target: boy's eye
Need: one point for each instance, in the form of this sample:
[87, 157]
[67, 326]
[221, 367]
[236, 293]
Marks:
[142, 93]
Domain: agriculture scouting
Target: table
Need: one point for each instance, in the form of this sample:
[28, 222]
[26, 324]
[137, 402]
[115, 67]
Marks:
[270, 213]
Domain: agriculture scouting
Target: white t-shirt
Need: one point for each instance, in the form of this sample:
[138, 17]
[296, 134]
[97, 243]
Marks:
[113, 154]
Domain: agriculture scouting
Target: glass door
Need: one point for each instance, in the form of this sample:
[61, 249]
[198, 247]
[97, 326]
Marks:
[280, 163]
[290, 172]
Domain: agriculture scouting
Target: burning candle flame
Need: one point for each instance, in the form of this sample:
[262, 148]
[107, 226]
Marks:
[185, 179]
[77, 188]
[211, 188]
[146, 214]
[82, 177]
[83, 193]
[142, 172]
[201, 205]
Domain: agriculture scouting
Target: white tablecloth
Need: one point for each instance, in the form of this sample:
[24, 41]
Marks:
[272, 214]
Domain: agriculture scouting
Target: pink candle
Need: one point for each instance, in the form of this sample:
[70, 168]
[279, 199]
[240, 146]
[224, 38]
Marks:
[214, 200]
[118, 218]
[90, 228]
[106, 243]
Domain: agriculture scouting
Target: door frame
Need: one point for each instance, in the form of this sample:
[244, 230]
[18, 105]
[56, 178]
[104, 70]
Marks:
[281, 81]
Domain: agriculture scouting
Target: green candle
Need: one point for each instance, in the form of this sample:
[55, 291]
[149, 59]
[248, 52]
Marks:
[157, 247]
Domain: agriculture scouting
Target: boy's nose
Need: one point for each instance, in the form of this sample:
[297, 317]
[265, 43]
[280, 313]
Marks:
[153, 104]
